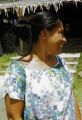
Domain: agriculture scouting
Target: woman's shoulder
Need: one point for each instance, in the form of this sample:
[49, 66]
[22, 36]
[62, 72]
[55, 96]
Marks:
[15, 66]
[60, 59]
[21, 62]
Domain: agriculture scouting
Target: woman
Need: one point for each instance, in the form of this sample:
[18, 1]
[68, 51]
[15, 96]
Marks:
[41, 86]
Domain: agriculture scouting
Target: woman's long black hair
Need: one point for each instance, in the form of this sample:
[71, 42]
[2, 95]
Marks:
[29, 28]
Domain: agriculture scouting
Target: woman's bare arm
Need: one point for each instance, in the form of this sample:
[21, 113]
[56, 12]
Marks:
[77, 110]
[15, 108]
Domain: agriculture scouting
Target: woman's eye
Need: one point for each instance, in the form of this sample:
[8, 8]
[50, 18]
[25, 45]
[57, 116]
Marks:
[61, 34]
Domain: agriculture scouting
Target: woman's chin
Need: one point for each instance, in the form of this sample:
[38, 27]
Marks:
[59, 51]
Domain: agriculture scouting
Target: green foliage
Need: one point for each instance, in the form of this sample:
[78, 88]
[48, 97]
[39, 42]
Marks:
[5, 60]
[78, 80]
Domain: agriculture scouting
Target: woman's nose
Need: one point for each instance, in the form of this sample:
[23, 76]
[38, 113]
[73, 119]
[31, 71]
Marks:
[64, 39]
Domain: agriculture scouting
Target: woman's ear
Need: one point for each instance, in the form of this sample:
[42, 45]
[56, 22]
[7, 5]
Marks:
[43, 35]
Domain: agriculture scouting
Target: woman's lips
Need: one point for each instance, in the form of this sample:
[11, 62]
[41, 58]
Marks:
[61, 46]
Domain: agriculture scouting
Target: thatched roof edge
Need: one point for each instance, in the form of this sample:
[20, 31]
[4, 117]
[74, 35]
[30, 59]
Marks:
[34, 3]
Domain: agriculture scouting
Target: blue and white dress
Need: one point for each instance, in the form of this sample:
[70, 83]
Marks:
[47, 92]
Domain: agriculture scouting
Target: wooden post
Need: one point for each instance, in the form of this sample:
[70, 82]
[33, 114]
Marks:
[21, 45]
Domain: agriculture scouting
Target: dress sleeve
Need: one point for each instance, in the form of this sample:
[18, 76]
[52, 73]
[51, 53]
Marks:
[15, 81]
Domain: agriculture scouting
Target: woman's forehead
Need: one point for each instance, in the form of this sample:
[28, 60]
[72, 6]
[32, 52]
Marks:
[60, 26]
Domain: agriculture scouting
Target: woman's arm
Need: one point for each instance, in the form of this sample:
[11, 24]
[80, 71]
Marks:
[15, 87]
[77, 110]
[14, 108]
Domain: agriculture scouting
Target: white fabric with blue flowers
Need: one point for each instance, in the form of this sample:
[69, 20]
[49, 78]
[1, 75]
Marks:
[47, 92]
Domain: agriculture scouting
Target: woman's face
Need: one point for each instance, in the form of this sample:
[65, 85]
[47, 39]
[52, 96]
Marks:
[55, 40]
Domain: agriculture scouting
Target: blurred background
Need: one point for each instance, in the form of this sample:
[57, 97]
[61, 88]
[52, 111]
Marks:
[71, 15]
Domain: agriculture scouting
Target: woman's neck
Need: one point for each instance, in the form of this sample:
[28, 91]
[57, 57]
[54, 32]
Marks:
[41, 53]
[44, 57]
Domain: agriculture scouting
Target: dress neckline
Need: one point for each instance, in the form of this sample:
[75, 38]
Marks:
[35, 65]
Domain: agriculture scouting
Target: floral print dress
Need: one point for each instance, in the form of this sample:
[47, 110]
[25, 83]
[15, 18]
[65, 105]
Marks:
[47, 92]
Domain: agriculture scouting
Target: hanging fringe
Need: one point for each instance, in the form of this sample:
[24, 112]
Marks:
[33, 5]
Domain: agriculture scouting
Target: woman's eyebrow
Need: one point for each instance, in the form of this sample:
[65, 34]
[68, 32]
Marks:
[61, 30]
